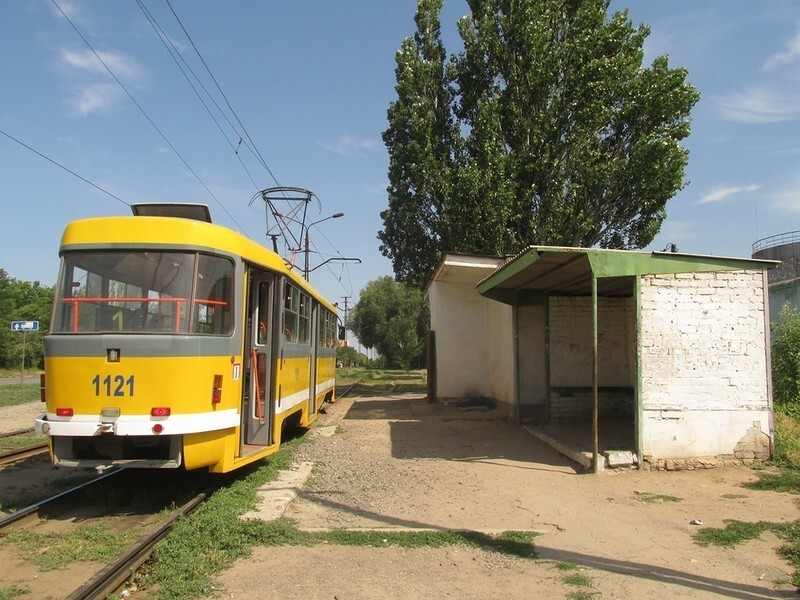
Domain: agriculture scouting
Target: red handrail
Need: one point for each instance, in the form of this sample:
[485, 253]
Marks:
[77, 301]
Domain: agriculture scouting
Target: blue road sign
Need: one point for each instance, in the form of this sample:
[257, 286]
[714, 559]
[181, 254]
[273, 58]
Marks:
[24, 325]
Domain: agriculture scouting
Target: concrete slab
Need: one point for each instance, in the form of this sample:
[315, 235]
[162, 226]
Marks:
[274, 497]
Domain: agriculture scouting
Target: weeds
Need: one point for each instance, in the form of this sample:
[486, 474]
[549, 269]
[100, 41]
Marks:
[50, 551]
[12, 592]
[787, 481]
[16, 393]
[649, 498]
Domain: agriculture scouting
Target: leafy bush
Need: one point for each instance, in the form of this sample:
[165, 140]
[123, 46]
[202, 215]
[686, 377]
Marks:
[786, 357]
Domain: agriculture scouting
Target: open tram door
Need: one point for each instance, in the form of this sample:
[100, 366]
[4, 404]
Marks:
[258, 410]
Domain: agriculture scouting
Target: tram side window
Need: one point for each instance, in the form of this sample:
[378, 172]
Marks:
[304, 319]
[327, 330]
[213, 296]
[296, 316]
[291, 308]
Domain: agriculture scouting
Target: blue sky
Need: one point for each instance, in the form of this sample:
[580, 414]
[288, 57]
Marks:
[311, 82]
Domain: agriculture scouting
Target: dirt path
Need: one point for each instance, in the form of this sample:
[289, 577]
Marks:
[399, 463]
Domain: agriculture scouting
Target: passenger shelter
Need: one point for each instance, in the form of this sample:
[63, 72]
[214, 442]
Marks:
[615, 357]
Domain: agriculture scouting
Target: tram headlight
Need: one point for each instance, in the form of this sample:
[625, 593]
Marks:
[45, 428]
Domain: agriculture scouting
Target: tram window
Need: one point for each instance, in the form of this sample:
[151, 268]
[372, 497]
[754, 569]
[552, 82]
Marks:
[291, 307]
[296, 316]
[213, 300]
[304, 319]
[327, 330]
[140, 291]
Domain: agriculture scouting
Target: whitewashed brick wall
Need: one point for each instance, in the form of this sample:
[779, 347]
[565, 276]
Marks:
[703, 362]
[571, 345]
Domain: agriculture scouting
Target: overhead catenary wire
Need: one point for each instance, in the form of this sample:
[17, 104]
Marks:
[219, 88]
[146, 116]
[60, 166]
[176, 55]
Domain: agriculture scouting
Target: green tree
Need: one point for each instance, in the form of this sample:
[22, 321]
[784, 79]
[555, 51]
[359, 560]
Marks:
[546, 129]
[420, 142]
[392, 318]
[23, 301]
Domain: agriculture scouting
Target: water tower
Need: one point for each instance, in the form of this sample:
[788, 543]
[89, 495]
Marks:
[784, 281]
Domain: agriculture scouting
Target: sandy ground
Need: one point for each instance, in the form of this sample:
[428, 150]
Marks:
[399, 463]
[20, 416]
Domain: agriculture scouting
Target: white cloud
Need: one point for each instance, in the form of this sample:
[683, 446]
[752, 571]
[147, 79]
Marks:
[91, 88]
[761, 104]
[94, 98]
[350, 146]
[124, 67]
[723, 193]
[786, 56]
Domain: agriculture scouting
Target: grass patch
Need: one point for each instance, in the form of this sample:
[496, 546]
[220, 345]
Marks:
[14, 591]
[787, 436]
[649, 498]
[15, 393]
[578, 580]
[20, 441]
[734, 533]
[733, 496]
[580, 595]
[787, 481]
[566, 566]
[50, 551]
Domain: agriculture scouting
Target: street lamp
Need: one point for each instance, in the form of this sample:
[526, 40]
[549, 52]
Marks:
[334, 216]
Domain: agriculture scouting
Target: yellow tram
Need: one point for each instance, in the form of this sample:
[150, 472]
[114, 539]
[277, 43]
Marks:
[175, 342]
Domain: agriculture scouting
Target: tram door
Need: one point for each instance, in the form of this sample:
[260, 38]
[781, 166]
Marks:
[260, 410]
[312, 379]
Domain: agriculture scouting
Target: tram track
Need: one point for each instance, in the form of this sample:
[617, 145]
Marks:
[11, 456]
[138, 497]
[33, 510]
[113, 577]
[15, 454]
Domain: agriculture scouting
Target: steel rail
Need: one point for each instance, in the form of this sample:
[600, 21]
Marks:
[24, 452]
[28, 511]
[344, 393]
[116, 573]
[17, 432]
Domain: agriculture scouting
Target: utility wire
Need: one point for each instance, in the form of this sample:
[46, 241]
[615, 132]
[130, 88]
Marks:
[208, 69]
[146, 116]
[60, 166]
[175, 55]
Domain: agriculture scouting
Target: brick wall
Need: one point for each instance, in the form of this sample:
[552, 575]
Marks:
[575, 405]
[703, 362]
[571, 346]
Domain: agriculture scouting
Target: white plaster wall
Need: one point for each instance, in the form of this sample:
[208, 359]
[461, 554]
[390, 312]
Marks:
[571, 345]
[699, 433]
[532, 355]
[460, 318]
[703, 362]
[499, 353]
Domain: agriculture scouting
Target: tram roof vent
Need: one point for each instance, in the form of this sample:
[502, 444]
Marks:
[198, 212]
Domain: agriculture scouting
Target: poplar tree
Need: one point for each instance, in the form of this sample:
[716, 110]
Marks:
[546, 129]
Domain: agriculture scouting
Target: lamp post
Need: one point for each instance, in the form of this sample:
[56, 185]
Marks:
[334, 216]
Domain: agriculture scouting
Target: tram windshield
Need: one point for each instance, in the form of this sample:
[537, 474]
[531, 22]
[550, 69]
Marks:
[144, 292]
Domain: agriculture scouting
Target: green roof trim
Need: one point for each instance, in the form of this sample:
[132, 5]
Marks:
[511, 268]
[602, 264]
[627, 263]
